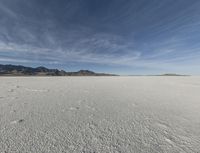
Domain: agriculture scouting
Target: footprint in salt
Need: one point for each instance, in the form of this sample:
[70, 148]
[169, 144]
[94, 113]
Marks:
[17, 121]
[13, 111]
[80, 101]
[70, 109]
[162, 125]
[134, 104]
[74, 108]
[170, 141]
[90, 108]
[37, 90]
[11, 90]
[91, 116]
[92, 125]
[17, 86]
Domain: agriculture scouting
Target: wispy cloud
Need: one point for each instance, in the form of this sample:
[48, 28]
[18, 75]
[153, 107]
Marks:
[149, 35]
[7, 11]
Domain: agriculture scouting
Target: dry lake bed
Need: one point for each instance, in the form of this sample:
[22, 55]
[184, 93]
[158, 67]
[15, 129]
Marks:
[100, 114]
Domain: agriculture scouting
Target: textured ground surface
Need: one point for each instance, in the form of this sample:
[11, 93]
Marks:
[100, 114]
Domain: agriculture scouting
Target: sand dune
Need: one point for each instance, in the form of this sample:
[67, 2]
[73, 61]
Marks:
[100, 114]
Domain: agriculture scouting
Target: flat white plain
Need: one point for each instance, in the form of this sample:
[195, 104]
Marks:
[100, 114]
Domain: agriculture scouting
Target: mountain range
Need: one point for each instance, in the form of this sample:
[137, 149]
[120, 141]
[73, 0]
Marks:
[19, 70]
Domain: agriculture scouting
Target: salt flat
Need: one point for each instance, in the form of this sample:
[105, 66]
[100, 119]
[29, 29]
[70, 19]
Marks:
[100, 114]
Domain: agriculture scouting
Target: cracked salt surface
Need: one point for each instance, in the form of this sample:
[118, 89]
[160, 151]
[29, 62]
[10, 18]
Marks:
[100, 114]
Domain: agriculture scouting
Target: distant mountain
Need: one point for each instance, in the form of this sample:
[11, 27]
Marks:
[172, 74]
[18, 70]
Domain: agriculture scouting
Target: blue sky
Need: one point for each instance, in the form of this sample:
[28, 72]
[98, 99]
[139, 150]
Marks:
[115, 36]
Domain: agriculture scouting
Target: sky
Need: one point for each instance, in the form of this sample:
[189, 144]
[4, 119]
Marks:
[114, 36]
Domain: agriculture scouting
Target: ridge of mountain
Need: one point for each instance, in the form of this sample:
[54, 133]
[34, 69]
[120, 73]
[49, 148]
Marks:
[19, 70]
